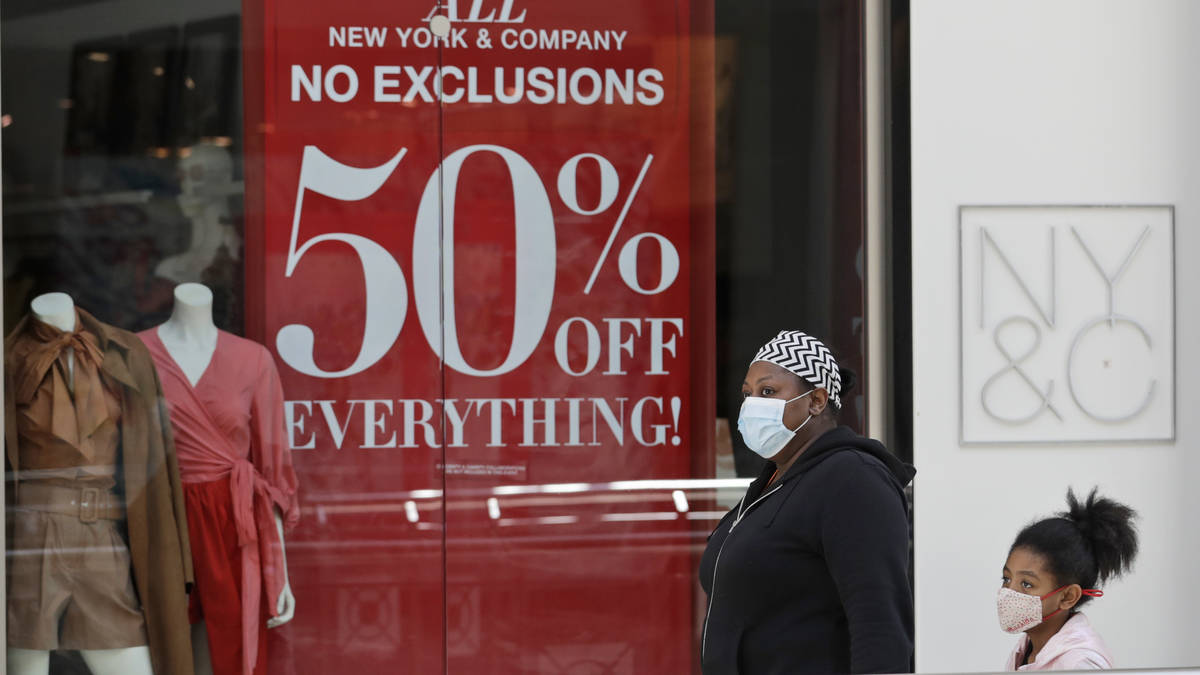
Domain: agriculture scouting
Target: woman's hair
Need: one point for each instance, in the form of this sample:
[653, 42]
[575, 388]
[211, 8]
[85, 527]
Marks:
[1089, 543]
[849, 380]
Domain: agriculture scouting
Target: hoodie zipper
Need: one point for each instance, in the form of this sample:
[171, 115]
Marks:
[742, 511]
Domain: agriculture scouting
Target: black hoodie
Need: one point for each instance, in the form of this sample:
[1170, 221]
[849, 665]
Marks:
[812, 575]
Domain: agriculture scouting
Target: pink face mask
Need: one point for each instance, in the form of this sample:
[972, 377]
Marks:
[1019, 612]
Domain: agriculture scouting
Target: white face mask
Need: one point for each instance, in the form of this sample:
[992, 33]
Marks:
[761, 424]
[1018, 611]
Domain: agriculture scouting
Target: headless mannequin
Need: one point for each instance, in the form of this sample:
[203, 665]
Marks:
[191, 339]
[58, 310]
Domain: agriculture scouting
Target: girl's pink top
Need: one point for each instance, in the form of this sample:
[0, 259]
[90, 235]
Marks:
[1076, 646]
[231, 425]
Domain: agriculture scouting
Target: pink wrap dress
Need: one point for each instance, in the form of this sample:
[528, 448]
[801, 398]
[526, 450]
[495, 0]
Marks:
[236, 466]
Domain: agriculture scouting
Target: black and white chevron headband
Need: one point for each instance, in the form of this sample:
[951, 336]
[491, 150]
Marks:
[807, 357]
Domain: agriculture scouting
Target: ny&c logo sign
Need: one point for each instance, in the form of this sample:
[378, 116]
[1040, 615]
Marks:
[1067, 323]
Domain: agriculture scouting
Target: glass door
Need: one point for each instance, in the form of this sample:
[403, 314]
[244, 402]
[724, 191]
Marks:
[348, 131]
[577, 242]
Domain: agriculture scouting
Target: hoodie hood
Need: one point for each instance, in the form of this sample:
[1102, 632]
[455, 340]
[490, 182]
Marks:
[844, 438]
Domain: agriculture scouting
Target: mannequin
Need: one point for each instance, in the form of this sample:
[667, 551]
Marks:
[58, 311]
[190, 335]
[131, 661]
[205, 183]
[191, 338]
[184, 348]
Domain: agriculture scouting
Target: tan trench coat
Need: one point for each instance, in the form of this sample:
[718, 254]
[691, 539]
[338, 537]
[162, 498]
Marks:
[157, 524]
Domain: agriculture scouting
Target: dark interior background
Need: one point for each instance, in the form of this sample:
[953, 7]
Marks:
[790, 189]
[102, 101]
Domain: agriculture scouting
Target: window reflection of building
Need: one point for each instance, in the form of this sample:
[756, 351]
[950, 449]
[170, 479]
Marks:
[109, 102]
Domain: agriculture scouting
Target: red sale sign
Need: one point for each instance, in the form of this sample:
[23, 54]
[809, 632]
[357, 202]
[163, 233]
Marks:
[484, 270]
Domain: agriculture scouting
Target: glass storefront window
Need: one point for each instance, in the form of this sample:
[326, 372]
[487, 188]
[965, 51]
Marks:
[457, 296]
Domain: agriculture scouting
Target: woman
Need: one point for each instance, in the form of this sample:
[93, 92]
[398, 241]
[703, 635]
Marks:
[809, 574]
[1052, 570]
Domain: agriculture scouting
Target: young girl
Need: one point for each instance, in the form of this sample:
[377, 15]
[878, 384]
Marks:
[1053, 569]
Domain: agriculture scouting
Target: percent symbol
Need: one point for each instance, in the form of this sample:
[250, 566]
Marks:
[627, 259]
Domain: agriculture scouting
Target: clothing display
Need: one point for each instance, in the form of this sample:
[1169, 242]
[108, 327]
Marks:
[1076, 646]
[810, 574]
[64, 435]
[236, 468]
[97, 547]
[71, 586]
